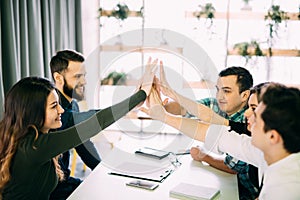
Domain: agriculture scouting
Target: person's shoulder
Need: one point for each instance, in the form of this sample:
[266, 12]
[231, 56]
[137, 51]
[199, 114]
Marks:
[238, 116]
[207, 101]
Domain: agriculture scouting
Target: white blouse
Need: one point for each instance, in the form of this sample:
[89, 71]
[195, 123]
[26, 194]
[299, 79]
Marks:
[281, 179]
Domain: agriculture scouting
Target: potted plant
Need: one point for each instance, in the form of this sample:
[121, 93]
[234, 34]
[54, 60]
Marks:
[207, 11]
[248, 49]
[115, 78]
[120, 11]
[274, 17]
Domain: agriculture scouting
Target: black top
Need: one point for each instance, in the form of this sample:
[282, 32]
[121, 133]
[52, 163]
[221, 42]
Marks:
[32, 170]
[239, 127]
[87, 151]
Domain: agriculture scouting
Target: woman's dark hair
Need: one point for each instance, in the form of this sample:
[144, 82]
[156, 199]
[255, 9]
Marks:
[25, 103]
[24, 109]
[242, 127]
[282, 114]
[257, 89]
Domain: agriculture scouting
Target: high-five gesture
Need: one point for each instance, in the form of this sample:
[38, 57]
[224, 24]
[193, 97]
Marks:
[156, 109]
[147, 78]
[164, 86]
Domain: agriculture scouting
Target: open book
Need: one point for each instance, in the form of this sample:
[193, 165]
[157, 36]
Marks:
[194, 192]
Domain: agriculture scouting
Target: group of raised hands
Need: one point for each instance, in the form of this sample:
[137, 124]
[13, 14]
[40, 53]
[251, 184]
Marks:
[154, 86]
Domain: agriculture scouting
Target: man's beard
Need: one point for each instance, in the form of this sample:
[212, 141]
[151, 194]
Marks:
[71, 92]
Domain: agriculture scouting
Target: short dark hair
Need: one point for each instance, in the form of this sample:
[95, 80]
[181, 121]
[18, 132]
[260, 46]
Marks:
[282, 114]
[60, 61]
[244, 78]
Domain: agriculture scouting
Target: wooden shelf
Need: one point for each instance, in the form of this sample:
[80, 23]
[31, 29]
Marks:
[130, 14]
[242, 15]
[275, 52]
[124, 48]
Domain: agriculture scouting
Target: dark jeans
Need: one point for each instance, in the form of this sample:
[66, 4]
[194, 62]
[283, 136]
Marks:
[65, 188]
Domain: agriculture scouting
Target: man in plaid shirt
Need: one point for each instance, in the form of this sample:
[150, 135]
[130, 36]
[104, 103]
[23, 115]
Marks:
[231, 102]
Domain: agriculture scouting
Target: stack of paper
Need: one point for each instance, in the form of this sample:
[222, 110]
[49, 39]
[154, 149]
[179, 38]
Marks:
[193, 192]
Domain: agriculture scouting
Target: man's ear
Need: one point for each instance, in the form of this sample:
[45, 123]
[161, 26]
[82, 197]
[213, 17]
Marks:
[275, 137]
[245, 95]
[58, 78]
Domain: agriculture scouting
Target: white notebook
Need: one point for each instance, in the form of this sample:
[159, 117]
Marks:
[194, 192]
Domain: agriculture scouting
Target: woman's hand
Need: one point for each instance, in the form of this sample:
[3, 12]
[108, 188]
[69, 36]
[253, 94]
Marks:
[156, 109]
[147, 78]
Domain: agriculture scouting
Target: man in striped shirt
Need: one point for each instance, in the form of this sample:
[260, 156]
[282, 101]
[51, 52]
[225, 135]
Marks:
[233, 90]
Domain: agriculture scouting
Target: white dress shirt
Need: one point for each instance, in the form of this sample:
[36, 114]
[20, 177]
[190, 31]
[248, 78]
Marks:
[281, 179]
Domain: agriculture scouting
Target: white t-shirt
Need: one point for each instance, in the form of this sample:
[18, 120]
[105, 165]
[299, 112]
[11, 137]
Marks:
[281, 179]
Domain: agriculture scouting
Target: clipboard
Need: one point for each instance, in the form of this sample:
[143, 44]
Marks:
[143, 172]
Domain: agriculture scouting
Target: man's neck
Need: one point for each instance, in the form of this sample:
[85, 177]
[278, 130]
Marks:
[66, 96]
[238, 110]
[274, 156]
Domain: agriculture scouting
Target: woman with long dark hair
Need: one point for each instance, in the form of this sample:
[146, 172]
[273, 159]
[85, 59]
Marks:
[28, 151]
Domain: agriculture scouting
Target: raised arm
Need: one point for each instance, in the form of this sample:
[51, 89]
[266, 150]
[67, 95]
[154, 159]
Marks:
[52, 144]
[217, 138]
[191, 127]
[201, 111]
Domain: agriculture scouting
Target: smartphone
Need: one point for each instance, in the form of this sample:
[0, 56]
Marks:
[154, 153]
[143, 184]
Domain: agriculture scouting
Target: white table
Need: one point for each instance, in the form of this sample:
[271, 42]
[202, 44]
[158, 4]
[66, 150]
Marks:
[100, 185]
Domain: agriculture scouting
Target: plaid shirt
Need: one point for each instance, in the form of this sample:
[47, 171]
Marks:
[240, 167]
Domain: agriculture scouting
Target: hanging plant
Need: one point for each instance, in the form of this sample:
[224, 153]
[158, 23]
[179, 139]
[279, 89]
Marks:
[247, 50]
[140, 13]
[246, 5]
[275, 16]
[121, 12]
[207, 11]
[115, 78]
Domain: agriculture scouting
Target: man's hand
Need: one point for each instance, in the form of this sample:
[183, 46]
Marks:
[198, 154]
[156, 109]
[147, 78]
[163, 86]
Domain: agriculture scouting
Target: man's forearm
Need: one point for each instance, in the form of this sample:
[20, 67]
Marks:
[218, 164]
[201, 111]
[190, 127]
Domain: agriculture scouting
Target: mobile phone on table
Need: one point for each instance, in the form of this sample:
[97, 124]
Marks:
[154, 153]
[143, 184]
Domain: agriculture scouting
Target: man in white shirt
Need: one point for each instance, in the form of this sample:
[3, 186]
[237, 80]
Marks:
[274, 146]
